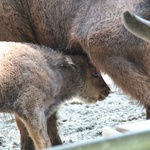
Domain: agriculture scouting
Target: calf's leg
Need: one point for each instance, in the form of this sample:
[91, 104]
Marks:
[26, 141]
[36, 124]
[148, 112]
[53, 131]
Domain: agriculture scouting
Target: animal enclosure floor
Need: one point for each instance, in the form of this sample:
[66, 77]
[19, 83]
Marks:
[79, 121]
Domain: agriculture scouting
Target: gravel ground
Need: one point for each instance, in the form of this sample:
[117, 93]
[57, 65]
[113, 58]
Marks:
[79, 121]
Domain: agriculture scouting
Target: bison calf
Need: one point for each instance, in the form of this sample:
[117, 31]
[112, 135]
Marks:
[35, 80]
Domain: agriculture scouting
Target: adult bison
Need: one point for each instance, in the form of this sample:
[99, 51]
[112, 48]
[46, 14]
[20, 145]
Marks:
[90, 26]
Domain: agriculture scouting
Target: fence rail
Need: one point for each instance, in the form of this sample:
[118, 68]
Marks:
[127, 141]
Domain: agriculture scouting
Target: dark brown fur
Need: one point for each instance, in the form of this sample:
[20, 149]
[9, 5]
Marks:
[92, 26]
[35, 80]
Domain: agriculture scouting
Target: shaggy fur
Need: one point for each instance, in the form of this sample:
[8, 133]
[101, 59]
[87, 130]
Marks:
[35, 80]
[87, 26]
[90, 26]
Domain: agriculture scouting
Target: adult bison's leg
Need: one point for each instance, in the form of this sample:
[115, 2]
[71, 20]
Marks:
[140, 28]
[26, 141]
[52, 130]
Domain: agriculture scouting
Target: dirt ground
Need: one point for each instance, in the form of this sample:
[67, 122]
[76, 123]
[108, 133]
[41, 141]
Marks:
[79, 121]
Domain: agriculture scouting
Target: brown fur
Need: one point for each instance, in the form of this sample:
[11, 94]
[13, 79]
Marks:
[92, 26]
[35, 80]
[85, 25]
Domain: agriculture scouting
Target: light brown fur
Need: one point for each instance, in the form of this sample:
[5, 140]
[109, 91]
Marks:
[35, 80]
[90, 26]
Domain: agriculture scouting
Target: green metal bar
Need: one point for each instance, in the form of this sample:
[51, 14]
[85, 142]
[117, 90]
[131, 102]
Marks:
[126, 141]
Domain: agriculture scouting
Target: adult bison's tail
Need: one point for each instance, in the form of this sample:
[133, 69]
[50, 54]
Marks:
[136, 25]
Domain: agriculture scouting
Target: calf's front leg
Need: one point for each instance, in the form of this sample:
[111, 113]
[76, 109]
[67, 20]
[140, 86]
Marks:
[148, 112]
[26, 141]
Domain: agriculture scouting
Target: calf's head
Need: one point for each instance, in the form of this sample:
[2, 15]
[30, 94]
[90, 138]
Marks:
[94, 87]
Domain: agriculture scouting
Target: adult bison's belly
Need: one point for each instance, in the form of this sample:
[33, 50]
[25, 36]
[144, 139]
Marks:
[42, 22]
